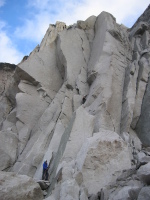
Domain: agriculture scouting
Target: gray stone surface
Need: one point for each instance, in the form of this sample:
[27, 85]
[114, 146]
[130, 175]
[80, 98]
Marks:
[69, 190]
[123, 193]
[43, 184]
[46, 73]
[144, 194]
[143, 125]
[8, 149]
[138, 100]
[129, 93]
[60, 152]
[108, 63]
[18, 187]
[81, 130]
[100, 157]
[6, 105]
[144, 173]
[73, 52]
[136, 141]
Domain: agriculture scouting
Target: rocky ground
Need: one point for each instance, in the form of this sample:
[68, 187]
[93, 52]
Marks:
[97, 149]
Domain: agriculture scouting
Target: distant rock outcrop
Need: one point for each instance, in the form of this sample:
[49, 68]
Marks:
[96, 146]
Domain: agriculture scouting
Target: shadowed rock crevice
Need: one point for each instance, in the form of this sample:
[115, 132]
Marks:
[143, 126]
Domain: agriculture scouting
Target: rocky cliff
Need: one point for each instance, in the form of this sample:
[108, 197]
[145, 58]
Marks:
[80, 100]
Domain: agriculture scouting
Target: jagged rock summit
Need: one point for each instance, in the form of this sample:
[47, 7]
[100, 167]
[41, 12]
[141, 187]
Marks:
[80, 100]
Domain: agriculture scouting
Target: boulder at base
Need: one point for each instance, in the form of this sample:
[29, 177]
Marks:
[18, 187]
[100, 158]
[144, 194]
[144, 173]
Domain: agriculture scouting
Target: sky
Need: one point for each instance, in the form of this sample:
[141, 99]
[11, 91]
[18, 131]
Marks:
[23, 23]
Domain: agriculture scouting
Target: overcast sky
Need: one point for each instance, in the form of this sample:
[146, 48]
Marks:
[23, 23]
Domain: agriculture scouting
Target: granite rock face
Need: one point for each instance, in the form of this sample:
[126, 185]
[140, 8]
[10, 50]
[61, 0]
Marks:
[18, 187]
[80, 100]
[8, 149]
[100, 157]
[6, 103]
[144, 194]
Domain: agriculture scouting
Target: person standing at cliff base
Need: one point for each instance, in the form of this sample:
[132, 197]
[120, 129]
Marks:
[45, 171]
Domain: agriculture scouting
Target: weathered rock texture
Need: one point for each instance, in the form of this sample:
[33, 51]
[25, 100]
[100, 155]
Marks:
[8, 149]
[93, 146]
[6, 103]
[18, 187]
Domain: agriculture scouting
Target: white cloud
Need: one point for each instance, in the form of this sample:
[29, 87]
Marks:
[39, 4]
[73, 10]
[33, 30]
[2, 2]
[2, 25]
[50, 11]
[43, 13]
[8, 51]
[120, 9]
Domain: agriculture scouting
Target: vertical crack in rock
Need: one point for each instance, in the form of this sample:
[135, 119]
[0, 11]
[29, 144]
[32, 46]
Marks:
[6, 104]
[59, 153]
[40, 138]
[82, 76]
[61, 121]
[62, 61]
[109, 61]
[125, 99]
[3, 90]
[142, 80]
[129, 88]
[82, 47]
[111, 119]
[143, 126]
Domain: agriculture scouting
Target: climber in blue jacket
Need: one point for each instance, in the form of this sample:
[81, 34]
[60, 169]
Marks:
[45, 171]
